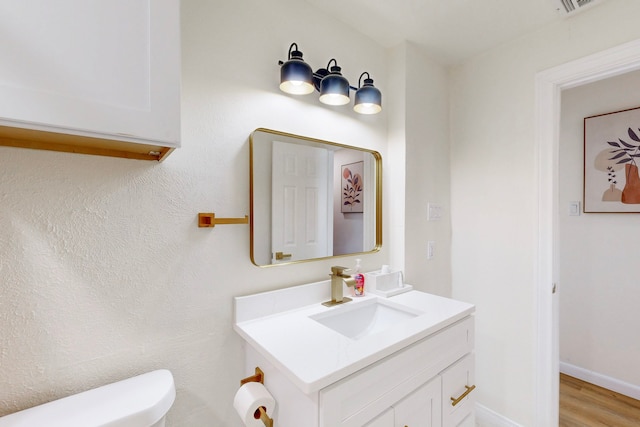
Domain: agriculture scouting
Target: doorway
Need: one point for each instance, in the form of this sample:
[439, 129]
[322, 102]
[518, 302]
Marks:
[549, 85]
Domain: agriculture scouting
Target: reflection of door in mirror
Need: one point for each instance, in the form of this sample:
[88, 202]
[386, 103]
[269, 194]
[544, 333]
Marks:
[300, 202]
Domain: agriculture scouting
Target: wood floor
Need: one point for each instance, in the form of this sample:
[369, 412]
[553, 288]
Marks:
[587, 405]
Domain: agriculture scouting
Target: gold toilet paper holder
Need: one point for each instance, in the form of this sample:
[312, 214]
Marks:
[261, 412]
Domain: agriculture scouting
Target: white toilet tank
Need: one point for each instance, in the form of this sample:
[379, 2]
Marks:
[141, 401]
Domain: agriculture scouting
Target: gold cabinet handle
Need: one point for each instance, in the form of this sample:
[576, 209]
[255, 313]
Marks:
[281, 256]
[455, 401]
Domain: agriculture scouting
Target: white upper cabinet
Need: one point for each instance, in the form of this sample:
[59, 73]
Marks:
[91, 76]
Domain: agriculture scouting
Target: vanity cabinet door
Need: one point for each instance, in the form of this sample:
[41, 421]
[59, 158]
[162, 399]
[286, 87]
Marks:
[96, 70]
[469, 421]
[383, 420]
[457, 381]
[422, 408]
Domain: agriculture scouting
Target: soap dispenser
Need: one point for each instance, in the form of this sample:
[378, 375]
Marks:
[359, 278]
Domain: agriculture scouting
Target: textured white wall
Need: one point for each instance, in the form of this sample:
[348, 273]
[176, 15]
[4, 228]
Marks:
[599, 292]
[493, 176]
[103, 271]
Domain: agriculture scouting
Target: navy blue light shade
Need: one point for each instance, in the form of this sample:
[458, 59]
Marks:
[334, 88]
[296, 76]
[368, 99]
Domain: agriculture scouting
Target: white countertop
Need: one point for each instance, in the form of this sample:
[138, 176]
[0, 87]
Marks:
[313, 356]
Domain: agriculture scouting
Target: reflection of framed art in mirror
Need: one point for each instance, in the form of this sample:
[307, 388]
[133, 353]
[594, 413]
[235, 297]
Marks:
[352, 197]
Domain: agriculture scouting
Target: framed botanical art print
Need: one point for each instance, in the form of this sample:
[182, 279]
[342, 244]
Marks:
[611, 157]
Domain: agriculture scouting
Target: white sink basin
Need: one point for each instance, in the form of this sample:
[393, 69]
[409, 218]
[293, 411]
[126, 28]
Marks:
[359, 320]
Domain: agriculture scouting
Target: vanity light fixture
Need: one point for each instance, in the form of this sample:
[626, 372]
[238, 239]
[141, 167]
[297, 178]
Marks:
[297, 78]
[334, 88]
[368, 99]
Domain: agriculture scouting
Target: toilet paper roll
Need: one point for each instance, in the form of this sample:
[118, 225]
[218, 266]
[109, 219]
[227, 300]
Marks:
[249, 398]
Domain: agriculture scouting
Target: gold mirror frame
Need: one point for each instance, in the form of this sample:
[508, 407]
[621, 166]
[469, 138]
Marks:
[376, 167]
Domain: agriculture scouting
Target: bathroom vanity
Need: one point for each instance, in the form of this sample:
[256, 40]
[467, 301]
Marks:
[406, 360]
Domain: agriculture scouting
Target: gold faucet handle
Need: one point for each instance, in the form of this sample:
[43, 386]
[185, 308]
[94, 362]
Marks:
[337, 270]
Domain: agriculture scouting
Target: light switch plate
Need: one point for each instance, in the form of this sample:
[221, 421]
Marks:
[574, 208]
[434, 212]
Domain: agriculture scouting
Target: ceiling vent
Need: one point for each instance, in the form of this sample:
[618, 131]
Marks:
[573, 6]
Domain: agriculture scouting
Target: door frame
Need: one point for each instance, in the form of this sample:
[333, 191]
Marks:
[548, 87]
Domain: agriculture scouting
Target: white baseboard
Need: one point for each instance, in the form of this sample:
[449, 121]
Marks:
[609, 383]
[485, 417]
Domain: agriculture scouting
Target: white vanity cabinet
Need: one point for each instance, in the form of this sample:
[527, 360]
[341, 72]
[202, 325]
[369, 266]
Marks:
[412, 387]
[415, 382]
[409, 365]
[96, 77]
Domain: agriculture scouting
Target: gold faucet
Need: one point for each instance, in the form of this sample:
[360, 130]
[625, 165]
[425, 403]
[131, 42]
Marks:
[338, 277]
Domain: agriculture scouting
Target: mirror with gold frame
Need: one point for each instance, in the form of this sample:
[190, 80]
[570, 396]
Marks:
[312, 199]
